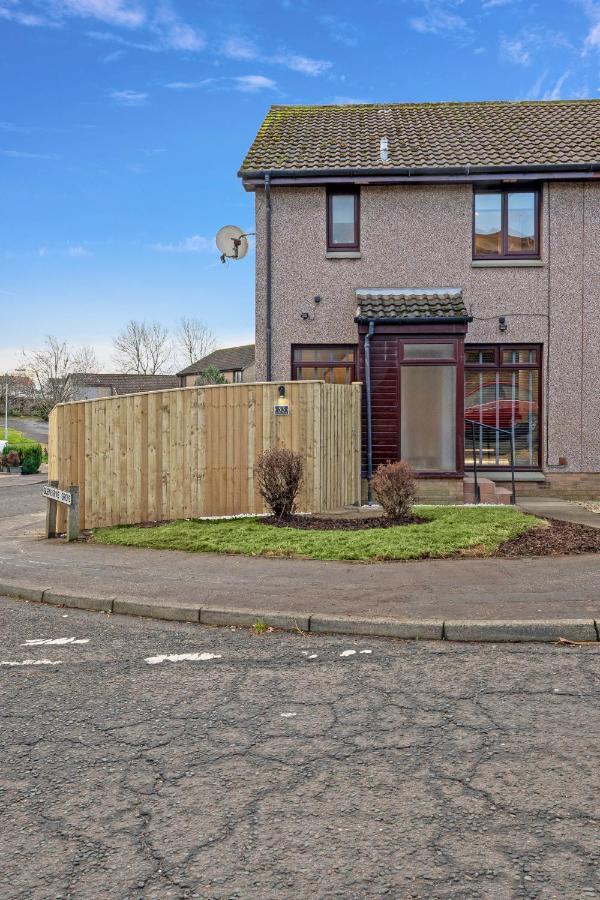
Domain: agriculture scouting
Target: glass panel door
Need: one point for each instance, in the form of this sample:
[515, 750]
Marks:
[428, 417]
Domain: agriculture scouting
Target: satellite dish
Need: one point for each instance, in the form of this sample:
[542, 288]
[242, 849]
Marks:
[232, 242]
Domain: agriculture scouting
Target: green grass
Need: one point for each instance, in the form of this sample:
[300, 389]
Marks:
[474, 531]
[16, 438]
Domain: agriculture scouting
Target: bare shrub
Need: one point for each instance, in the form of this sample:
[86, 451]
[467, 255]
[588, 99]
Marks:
[279, 473]
[394, 487]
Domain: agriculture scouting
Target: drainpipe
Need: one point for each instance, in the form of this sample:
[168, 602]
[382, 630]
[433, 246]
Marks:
[268, 272]
[368, 337]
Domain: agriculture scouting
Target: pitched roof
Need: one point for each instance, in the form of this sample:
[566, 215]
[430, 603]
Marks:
[125, 384]
[411, 303]
[226, 359]
[426, 135]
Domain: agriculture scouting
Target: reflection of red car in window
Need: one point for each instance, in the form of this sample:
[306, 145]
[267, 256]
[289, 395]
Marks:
[502, 412]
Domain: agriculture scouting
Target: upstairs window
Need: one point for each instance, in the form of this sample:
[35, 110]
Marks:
[506, 224]
[343, 214]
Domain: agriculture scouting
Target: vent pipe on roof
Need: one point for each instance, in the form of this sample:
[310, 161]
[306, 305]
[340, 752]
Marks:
[383, 149]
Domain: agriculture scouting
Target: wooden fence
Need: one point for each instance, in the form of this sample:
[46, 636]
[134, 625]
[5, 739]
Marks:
[191, 451]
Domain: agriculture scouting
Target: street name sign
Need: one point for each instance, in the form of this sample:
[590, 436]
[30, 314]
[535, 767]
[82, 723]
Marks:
[54, 493]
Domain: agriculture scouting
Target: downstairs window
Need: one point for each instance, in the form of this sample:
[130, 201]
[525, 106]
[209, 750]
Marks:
[333, 363]
[503, 389]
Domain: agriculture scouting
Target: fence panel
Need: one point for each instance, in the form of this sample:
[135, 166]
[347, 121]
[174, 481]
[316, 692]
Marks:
[191, 451]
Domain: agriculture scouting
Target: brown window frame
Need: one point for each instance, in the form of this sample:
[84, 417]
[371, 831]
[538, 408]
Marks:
[504, 191]
[323, 364]
[499, 366]
[349, 191]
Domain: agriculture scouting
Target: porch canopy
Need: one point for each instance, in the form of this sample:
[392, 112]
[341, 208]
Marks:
[411, 355]
[411, 305]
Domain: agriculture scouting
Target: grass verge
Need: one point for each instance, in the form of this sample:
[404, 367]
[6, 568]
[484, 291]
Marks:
[472, 531]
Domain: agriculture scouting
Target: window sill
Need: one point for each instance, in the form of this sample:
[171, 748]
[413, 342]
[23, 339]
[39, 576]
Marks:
[507, 263]
[343, 254]
[505, 476]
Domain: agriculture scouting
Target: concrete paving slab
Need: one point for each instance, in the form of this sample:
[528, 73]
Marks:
[537, 630]
[562, 510]
[156, 610]
[79, 601]
[289, 620]
[11, 589]
[376, 626]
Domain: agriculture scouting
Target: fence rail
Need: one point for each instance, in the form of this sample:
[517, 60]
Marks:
[191, 451]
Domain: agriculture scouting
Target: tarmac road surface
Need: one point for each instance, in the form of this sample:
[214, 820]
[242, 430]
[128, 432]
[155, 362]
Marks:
[143, 759]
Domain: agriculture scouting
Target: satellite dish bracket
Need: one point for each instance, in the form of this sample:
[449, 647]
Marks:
[236, 245]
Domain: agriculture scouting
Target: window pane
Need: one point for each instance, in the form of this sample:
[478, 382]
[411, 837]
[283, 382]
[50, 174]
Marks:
[512, 357]
[480, 356]
[428, 442]
[342, 219]
[488, 224]
[329, 374]
[521, 223]
[429, 351]
[507, 400]
[324, 354]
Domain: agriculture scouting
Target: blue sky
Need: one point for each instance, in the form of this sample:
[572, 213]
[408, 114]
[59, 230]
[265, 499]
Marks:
[123, 124]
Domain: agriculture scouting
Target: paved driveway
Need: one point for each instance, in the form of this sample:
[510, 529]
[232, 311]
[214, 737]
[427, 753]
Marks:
[291, 766]
[36, 429]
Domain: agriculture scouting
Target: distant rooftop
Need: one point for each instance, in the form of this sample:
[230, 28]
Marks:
[227, 359]
[302, 139]
[125, 384]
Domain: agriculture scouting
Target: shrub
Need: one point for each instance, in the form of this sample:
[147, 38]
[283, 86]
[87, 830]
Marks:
[31, 459]
[211, 375]
[11, 458]
[279, 473]
[394, 487]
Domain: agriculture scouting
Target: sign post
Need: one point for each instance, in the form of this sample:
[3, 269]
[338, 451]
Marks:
[70, 499]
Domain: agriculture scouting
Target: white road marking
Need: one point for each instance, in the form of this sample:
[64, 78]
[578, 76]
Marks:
[57, 641]
[32, 662]
[312, 656]
[181, 657]
[348, 653]
[365, 651]
[288, 715]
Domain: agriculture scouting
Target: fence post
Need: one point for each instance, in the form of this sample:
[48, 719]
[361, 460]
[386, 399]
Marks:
[73, 514]
[51, 514]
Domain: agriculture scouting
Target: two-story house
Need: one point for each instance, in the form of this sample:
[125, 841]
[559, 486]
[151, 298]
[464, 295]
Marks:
[447, 255]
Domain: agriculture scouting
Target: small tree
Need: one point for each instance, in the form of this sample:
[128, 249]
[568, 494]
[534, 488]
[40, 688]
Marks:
[279, 473]
[49, 368]
[211, 375]
[394, 487]
[143, 348]
[193, 340]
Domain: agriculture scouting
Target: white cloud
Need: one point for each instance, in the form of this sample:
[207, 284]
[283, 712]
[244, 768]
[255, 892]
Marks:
[109, 37]
[188, 85]
[175, 34]
[555, 92]
[239, 48]
[129, 98]
[11, 11]
[24, 154]
[489, 4]
[113, 12]
[303, 64]
[252, 83]
[516, 50]
[439, 19]
[78, 250]
[343, 32]
[194, 244]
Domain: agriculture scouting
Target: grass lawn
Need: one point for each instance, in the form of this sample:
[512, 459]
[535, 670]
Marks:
[16, 437]
[474, 531]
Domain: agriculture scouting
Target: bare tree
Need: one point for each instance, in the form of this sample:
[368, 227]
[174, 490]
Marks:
[49, 368]
[193, 340]
[143, 348]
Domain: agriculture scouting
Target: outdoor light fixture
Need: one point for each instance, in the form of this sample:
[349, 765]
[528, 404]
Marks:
[318, 298]
[304, 316]
[281, 390]
[502, 323]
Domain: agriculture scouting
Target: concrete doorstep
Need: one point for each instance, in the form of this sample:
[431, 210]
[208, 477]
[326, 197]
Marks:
[480, 630]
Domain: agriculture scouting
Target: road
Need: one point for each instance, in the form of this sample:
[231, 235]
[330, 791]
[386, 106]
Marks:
[290, 766]
[36, 429]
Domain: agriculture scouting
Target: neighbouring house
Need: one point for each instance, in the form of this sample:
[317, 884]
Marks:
[93, 386]
[445, 255]
[236, 364]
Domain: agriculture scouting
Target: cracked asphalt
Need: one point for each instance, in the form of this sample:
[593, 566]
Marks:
[283, 766]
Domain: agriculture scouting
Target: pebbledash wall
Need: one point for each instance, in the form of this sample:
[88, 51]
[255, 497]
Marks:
[421, 236]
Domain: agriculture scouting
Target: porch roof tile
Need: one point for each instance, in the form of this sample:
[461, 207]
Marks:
[411, 303]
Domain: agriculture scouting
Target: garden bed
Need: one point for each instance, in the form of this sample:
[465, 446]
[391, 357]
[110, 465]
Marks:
[445, 531]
